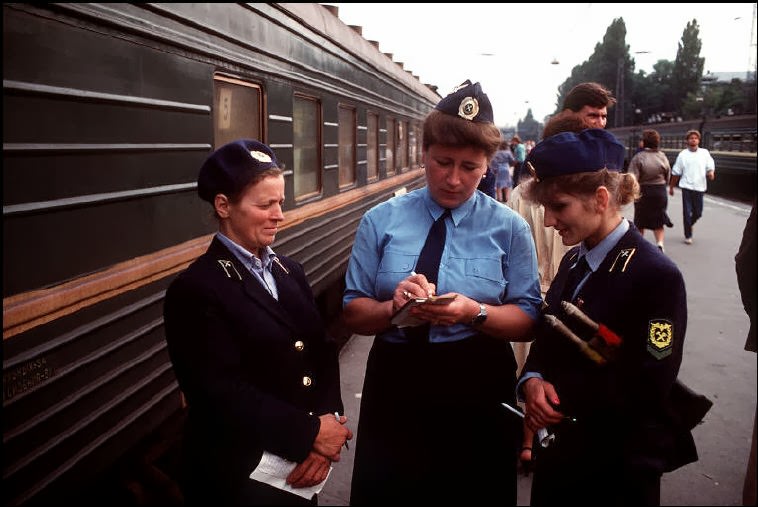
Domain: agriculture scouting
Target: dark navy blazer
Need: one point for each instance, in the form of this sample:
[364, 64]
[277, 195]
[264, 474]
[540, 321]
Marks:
[638, 293]
[256, 372]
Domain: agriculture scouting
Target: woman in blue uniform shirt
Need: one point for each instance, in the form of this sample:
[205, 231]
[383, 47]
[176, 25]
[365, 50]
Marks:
[248, 346]
[432, 428]
[615, 428]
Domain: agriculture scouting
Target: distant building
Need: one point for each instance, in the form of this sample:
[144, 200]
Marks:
[727, 77]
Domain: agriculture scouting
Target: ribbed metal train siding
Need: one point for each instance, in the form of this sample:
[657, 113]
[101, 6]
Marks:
[103, 380]
[96, 159]
[99, 148]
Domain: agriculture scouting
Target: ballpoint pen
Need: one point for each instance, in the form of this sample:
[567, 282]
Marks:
[543, 437]
[337, 416]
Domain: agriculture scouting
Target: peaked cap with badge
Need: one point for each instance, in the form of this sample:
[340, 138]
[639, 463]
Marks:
[568, 152]
[230, 163]
[469, 102]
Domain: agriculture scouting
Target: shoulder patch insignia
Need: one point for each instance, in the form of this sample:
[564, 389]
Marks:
[660, 338]
[622, 259]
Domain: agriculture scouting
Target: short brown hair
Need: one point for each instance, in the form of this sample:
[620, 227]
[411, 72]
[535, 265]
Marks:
[449, 130]
[651, 139]
[588, 94]
[565, 121]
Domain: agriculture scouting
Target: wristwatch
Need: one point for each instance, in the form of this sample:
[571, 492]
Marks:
[481, 317]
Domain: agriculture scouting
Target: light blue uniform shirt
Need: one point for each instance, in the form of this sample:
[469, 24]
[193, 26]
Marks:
[260, 268]
[489, 256]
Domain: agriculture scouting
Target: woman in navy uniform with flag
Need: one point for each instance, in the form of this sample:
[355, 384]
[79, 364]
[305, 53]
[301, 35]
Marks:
[602, 369]
[248, 345]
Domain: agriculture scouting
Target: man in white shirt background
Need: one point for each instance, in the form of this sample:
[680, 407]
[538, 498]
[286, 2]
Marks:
[693, 167]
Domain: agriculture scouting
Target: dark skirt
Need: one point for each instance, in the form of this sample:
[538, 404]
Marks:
[650, 209]
[432, 428]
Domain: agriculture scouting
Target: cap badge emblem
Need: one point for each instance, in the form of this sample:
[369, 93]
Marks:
[469, 108]
[260, 156]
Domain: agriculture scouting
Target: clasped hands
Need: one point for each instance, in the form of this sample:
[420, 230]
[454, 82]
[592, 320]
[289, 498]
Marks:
[463, 309]
[331, 436]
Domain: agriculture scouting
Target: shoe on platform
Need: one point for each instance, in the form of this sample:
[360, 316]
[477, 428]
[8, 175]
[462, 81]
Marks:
[688, 241]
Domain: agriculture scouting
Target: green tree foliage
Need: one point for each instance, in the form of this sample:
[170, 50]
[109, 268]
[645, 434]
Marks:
[671, 90]
[720, 99]
[688, 67]
[609, 65]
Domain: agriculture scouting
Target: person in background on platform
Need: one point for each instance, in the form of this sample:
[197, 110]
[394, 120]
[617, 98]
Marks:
[693, 166]
[488, 183]
[591, 102]
[503, 162]
[653, 172]
[615, 429]
[519, 152]
[747, 280]
[640, 146]
[248, 346]
[432, 428]
[550, 251]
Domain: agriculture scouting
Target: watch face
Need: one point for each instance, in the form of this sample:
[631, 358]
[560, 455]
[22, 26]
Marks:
[482, 315]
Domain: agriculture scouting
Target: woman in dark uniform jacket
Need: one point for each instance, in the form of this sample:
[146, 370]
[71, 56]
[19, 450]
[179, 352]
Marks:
[622, 432]
[248, 345]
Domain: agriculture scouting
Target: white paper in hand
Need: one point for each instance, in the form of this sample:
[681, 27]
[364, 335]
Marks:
[273, 470]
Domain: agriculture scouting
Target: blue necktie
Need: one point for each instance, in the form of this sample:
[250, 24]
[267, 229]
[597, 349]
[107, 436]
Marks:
[428, 264]
[575, 276]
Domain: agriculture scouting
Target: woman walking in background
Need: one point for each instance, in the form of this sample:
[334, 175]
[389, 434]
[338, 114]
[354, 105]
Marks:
[653, 172]
[502, 162]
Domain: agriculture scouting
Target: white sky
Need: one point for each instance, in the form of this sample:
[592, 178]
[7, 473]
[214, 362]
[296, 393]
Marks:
[509, 48]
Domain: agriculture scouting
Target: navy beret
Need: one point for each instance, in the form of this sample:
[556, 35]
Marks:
[568, 152]
[469, 102]
[230, 164]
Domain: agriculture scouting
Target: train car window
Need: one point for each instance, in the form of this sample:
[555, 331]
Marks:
[306, 141]
[347, 135]
[401, 160]
[390, 147]
[413, 145]
[236, 110]
[372, 146]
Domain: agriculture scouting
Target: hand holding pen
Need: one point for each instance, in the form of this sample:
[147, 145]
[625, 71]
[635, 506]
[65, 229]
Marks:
[412, 286]
[331, 435]
[339, 420]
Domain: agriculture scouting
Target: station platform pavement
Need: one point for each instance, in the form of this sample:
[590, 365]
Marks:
[715, 364]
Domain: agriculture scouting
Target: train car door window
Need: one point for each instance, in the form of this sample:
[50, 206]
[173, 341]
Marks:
[401, 160]
[412, 145]
[306, 140]
[372, 146]
[347, 135]
[236, 110]
[390, 148]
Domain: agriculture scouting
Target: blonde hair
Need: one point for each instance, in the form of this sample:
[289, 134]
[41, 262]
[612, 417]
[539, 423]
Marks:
[623, 187]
